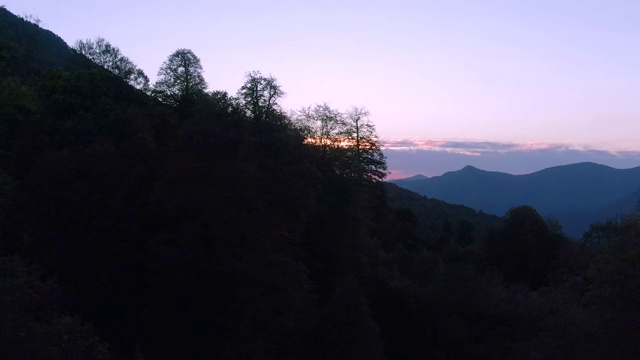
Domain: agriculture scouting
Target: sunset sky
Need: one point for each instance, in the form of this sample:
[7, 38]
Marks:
[550, 77]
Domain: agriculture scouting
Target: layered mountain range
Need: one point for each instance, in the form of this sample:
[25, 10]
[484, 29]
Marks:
[576, 195]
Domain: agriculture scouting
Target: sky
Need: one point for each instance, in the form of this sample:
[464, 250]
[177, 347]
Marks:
[538, 77]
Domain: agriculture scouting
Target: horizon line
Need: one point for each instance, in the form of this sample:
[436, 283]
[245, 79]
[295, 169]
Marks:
[473, 147]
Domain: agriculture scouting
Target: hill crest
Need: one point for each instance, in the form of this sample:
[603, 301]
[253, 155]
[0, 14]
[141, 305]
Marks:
[556, 191]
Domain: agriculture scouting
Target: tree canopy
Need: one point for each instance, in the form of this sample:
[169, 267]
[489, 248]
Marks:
[101, 52]
[180, 81]
[347, 140]
[259, 96]
[365, 152]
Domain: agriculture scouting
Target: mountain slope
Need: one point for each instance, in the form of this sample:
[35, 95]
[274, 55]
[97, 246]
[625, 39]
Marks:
[213, 236]
[562, 191]
[435, 216]
[26, 49]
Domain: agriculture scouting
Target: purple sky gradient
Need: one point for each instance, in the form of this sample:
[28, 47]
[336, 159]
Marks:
[500, 71]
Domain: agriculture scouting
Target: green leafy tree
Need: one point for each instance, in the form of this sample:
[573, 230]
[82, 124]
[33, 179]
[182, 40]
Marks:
[101, 52]
[259, 96]
[180, 81]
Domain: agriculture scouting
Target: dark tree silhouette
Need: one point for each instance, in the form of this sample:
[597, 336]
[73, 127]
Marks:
[524, 249]
[322, 126]
[101, 52]
[180, 82]
[259, 96]
[348, 141]
[364, 148]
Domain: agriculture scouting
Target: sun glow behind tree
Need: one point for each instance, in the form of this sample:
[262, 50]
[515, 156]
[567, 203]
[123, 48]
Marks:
[347, 139]
[343, 142]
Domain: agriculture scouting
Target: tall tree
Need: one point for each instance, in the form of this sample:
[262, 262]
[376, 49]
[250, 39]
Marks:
[322, 125]
[260, 95]
[101, 52]
[180, 81]
[365, 153]
[523, 248]
[348, 140]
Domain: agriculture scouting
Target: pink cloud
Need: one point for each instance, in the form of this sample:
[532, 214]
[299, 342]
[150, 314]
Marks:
[477, 148]
[434, 157]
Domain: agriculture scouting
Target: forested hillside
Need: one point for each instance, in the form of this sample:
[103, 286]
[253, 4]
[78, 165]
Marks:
[577, 194]
[439, 223]
[169, 221]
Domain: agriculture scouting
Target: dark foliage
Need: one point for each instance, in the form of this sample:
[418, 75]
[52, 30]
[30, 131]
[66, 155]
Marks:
[109, 57]
[133, 228]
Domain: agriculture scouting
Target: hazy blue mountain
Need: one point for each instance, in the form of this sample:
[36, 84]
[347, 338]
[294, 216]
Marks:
[577, 222]
[415, 177]
[576, 194]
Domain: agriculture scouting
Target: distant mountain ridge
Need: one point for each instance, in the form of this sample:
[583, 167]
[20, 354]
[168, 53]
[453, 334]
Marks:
[576, 194]
[416, 177]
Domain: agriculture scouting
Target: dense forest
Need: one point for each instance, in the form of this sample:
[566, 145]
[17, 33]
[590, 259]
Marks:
[168, 221]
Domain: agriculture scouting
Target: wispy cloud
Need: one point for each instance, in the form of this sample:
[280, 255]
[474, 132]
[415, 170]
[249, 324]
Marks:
[432, 157]
[472, 147]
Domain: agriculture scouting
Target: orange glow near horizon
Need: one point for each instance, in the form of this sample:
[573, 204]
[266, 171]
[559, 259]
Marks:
[323, 141]
[341, 142]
